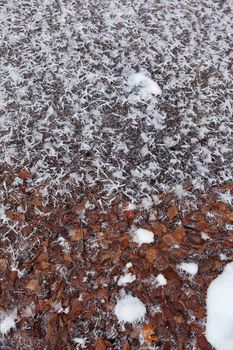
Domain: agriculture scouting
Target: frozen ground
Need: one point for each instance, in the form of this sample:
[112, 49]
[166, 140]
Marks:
[68, 112]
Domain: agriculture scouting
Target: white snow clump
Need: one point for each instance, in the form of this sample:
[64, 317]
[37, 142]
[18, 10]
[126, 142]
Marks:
[219, 326]
[190, 268]
[141, 236]
[125, 279]
[160, 280]
[147, 87]
[130, 309]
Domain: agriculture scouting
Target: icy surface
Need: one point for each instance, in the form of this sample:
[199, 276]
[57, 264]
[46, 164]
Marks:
[220, 310]
[77, 94]
[141, 236]
[190, 268]
[130, 309]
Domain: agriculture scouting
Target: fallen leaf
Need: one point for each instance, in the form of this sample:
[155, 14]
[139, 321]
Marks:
[147, 332]
[24, 175]
[228, 186]
[126, 345]
[172, 211]
[179, 234]
[77, 235]
[33, 284]
[75, 308]
[100, 344]
[117, 256]
[151, 254]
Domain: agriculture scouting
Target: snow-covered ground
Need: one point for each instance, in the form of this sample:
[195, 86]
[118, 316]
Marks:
[129, 98]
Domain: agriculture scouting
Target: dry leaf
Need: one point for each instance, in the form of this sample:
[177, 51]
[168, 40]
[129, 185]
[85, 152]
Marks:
[126, 345]
[147, 332]
[77, 235]
[24, 175]
[179, 234]
[172, 211]
[117, 256]
[228, 186]
[33, 284]
[151, 254]
[229, 218]
[100, 344]
[168, 239]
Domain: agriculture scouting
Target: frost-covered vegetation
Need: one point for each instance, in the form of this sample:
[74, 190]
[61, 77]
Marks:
[69, 111]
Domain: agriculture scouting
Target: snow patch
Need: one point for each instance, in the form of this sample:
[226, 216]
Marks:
[190, 268]
[220, 310]
[130, 309]
[141, 236]
[128, 278]
[160, 280]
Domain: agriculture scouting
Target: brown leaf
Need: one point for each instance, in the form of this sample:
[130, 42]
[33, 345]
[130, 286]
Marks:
[44, 265]
[179, 234]
[168, 239]
[77, 235]
[20, 217]
[126, 345]
[100, 344]
[3, 264]
[24, 175]
[117, 256]
[203, 343]
[147, 332]
[67, 258]
[151, 254]
[228, 186]
[42, 257]
[172, 211]
[33, 284]
[229, 218]
[75, 308]
[129, 215]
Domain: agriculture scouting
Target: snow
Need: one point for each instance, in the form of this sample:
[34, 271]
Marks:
[126, 279]
[7, 321]
[160, 280]
[147, 87]
[141, 236]
[130, 309]
[190, 268]
[219, 323]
